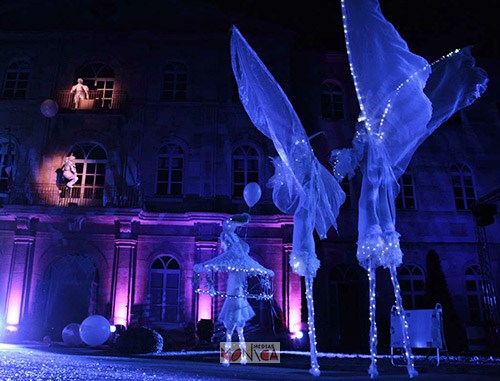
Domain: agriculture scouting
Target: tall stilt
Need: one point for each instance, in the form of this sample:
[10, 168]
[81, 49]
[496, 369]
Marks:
[404, 324]
[372, 370]
[243, 347]
[310, 324]
[227, 348]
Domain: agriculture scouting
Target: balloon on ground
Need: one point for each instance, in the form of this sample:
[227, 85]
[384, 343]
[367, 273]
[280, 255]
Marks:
[71, 335]
[95, 330]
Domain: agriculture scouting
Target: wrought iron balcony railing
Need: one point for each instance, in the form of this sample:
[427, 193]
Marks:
[98, 100]
[95, 196]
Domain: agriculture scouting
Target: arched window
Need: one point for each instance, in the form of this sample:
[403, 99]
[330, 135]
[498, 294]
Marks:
[406, 196]
[175, 82]
[412, 281]
[463, 186]
[332, 101]
[164, 290]
[245, 168]
[7, 151]
[100, 78]
[170, 170]
[91, 161]
[16, 80]
[474, 290]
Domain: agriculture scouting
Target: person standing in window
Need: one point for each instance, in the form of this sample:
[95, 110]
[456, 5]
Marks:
[80, 92]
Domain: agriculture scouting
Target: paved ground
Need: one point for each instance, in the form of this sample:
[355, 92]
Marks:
[56, 363]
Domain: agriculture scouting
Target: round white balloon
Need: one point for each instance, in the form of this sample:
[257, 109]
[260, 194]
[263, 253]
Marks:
[95, 330]
[49, 108]
[71, 335]
[252, 194]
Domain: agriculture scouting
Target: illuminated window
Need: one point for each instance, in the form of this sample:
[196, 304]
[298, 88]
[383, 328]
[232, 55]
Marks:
[245, 168]
[332, 101]
[100, 79]
[91, 161]
[412, 282]
[463, 186]
[175, 82]
[170, 170]
[16, 80]
[7, 151]
[474, 289]
[164, 290]
[406, 196]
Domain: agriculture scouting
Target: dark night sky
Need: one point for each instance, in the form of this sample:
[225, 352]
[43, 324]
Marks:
[444, 24]
[449, 23]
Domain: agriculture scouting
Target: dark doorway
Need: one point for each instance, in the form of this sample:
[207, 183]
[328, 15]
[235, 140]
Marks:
[346, 313]
[69, 293]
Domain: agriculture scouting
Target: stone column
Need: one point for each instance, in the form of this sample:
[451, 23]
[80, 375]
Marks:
[20, 273]
[124, 270]
[205, 250]
[293, 290]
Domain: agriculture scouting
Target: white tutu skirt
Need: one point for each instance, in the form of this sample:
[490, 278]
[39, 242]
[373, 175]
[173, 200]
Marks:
[236, 312]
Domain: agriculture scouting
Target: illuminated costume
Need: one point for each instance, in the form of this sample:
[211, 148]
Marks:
[80, 92]
[301, 185]
[403, 99]
[235, 260]
[69, 170]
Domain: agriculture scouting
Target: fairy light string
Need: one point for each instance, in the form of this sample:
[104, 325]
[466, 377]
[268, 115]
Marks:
[372, 251]
[314, 370]
[372, 370]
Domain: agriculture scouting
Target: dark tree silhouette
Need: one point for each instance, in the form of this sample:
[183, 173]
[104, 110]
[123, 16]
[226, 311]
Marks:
[436, 291]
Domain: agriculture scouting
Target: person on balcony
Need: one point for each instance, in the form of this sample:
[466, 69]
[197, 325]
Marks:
[80, 92]
[69, 170]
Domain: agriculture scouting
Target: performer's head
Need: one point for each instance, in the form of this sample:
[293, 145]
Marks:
[235, 221]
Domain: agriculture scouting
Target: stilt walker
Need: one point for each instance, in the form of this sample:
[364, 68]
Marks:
[301, 185]
[403, 99]
[237, 263]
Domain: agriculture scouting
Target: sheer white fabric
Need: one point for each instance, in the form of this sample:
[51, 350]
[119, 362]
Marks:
[236, 310]
[301, 185]
[403, 99]
[234, 256]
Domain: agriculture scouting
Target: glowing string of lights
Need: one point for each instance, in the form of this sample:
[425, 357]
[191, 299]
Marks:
[363, 116]
[404, 323]
[310, 325]
[265, 281]
[372, 370]
[368, 253]
[400, 86]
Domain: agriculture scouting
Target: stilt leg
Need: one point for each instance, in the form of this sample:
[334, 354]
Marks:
[243, 347]
[372, 370]
[404, 324]
[310, 323]
[227, 347]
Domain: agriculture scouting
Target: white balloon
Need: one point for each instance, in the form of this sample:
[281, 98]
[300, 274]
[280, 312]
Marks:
[71, 335]
[49, 108]
[95, 330]
[252, 194]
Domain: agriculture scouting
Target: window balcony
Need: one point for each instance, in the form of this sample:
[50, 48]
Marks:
[95, 196]
[98, 100]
